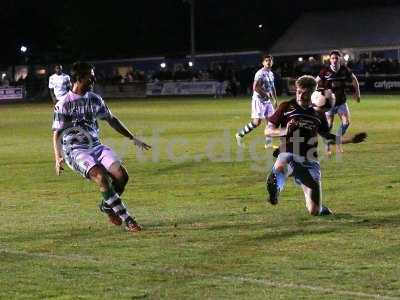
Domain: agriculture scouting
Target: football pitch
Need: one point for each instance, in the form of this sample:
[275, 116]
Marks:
[208, 230]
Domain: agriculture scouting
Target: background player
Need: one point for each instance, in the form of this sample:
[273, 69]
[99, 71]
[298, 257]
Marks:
[75, 122]
[59, 84]
[264, 100]
[334, 77]
[298, 124]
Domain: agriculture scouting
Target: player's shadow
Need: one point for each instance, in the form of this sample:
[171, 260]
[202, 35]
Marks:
[203, 221]
[337, 223]
[61, 236]
[176, 166]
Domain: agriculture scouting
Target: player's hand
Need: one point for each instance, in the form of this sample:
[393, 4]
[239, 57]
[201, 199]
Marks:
[59, 165]
[140, 144]
[359, 137]
[357, 98]
[292, 126]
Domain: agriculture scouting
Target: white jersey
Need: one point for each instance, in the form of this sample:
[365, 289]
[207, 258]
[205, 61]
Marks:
[76, 116]
[61, 85]
[267, 82]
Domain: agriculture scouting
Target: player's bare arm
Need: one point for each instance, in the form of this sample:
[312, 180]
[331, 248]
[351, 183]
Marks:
[332, 139]
[53, 96]
[356, 87]
[272, 131]
[118, 126]
[257, 86]
[58, 158]
[69, 85]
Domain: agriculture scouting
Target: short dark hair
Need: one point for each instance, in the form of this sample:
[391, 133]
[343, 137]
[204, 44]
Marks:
[80, 70]
[307, 82]
[264, 56]
[335, 52]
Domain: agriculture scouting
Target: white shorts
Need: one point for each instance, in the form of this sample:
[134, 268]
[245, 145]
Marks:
[342, 109]
[306, 173]
[261, 109]
[82, 160]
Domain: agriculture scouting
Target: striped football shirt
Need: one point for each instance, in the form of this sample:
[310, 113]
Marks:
[76, 117]
[267, 81]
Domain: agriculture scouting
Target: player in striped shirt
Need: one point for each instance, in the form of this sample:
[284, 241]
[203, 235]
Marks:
[264, 100]
[76, 142]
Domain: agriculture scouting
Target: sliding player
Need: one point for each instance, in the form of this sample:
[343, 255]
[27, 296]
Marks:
[298, 124]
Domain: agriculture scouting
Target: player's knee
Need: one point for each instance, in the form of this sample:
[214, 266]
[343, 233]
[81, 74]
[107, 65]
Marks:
[280, 167]
[123, 180]
[256, 122]
[124, 177]
[313, 209]
[281, 163]
[97, 175]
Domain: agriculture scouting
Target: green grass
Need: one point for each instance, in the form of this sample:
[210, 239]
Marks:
[208, 232]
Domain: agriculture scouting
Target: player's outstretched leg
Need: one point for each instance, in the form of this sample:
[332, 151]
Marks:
[313, 202]
[312, 190]
[119, 178]
[98, 175]
[276, 180]
[253, 124]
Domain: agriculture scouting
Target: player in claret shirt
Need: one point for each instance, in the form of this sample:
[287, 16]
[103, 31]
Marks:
[298, 124]
[334, 77]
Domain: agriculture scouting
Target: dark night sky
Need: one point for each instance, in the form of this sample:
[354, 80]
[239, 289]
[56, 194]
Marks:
[69, 30]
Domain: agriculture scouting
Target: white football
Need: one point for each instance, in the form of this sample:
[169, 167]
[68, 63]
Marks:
[323, 100]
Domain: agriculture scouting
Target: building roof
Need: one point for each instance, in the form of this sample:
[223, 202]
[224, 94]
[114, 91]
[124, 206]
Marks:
[319, 32]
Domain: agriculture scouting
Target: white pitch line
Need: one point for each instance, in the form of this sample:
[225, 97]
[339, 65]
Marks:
[270, 283]
[237, 279]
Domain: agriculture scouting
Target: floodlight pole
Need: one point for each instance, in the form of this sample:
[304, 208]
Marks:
[192, 33]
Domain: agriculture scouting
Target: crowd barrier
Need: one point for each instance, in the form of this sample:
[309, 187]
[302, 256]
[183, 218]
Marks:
[181, 88]
[160, 88]
[370, 83]
[126, 90]
[11, 93]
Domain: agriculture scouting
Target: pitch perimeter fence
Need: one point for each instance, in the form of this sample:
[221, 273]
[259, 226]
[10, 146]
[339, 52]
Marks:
[377, 83]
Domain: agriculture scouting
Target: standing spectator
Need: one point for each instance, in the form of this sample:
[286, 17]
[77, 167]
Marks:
[5, 81]
[232, 83]
[219, 76]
